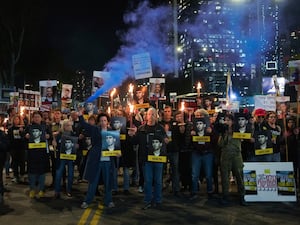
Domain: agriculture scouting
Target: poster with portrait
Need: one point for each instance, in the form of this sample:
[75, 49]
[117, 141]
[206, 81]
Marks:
[48, 90]
[140, 98]
[157, 148]
[119, 123]
[199, 126]
[250, 182]
[269, 182]
[157, 89]
[37, 138]
[111, 143]
[243, 128]
[99, 79]
[263, 142]
[68, 147]
[282, 106]
[66, 97]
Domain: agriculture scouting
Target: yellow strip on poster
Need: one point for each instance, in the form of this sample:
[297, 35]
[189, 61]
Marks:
[239, 135]
[112, 153]
[122, 137]
[142, 106]
[201, 138]
[153, 158]
[264, 151]
[37, 145]
[68, 156]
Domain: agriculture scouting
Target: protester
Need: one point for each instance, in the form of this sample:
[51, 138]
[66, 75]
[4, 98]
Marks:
[97, 164]
[153, 171]
[231, 159]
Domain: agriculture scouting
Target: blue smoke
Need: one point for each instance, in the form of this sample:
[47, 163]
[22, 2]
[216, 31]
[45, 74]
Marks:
[148, 33]
[149, 28]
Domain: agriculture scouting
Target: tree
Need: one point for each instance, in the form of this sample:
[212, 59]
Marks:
[15, 18]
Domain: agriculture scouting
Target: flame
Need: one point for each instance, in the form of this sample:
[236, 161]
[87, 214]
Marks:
[22, 110]
[131, 107]
[130, 89]
[182, 106]
[199, 86]
[112, 93]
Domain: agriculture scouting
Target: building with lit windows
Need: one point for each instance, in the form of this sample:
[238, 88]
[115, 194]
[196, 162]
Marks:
[217, 36]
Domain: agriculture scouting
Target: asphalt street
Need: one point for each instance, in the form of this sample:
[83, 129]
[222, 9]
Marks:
[18, 208]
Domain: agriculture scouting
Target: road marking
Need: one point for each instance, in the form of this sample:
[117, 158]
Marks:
[97, 215]
[84, 216]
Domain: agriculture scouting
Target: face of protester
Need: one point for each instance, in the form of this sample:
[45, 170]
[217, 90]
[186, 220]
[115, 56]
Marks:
[242, 122]
[151, 117]
[139, 95]
[167, 113]
[68, 126]
[228, 121]
[37, 118]
[103, 122]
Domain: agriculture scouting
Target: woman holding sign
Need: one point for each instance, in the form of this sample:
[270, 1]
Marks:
[149, 137]
[97, 162]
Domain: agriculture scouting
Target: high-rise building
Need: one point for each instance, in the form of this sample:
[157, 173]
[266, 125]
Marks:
[221, 36]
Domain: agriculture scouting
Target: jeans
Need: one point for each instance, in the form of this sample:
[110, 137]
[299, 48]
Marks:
[174, 164]
[105, 168]
[153, 172]
[126, 178]
[275, 157]
[205, 161]
[37, 178]
[59, 175]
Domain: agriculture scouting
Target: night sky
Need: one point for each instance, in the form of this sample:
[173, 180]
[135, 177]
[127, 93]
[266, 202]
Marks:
[66, 36]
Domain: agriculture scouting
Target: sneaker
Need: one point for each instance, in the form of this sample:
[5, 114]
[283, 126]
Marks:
[224, 201]
[193, 197]
[84, 205]
[147, 206]
[157, 205]
[243, 202]
[69, 194]
[126, 192]
[56, 196]
[31, 194]
[41, 194]
[111, 205]
[140, 190]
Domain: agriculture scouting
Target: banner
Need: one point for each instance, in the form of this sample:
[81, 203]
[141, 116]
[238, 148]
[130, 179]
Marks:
[269, 182]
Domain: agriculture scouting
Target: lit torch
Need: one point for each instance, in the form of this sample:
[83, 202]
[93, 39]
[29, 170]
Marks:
[108, 110]
[130, 91]
[198, 89]
[131, 107]
[112, 93]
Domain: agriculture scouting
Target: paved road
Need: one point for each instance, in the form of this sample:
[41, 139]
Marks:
[19, 209]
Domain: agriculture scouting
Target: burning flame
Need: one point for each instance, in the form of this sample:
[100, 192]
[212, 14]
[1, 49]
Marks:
[182, 106]
[112, 93]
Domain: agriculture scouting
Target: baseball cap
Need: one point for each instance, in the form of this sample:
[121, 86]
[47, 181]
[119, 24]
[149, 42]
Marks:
[260, 112]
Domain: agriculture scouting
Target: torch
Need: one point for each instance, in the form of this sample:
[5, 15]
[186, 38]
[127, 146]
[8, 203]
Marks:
[198, 89]
[112, 93]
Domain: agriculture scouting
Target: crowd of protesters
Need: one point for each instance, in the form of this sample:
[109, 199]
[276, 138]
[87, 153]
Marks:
[192, 149]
